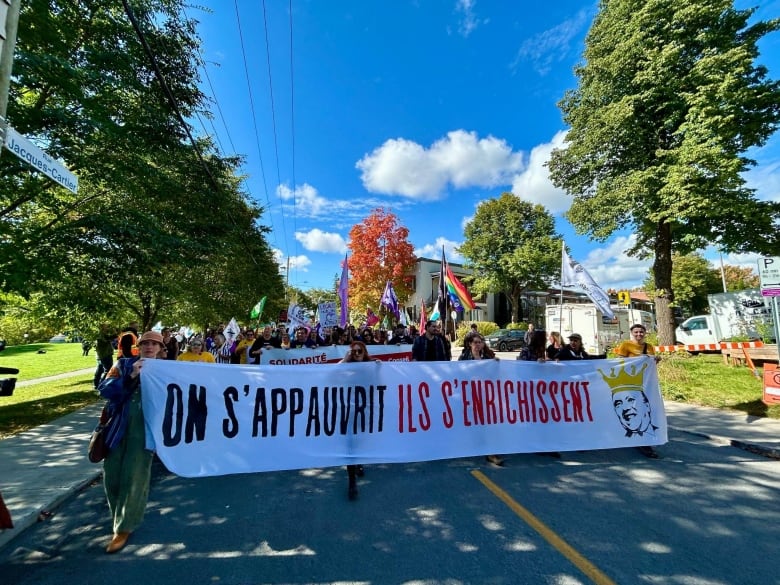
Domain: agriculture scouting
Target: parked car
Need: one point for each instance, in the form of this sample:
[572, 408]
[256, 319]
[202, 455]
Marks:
[505, 339]
[59, 338]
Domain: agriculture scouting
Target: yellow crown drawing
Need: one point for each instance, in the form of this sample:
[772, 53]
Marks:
[624, 380]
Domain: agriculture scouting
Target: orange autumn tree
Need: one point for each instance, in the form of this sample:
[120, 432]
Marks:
[379, 251]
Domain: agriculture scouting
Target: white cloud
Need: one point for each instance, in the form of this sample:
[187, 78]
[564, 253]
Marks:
[611, 267]
[553, 45]
[468, 22]
[403, 167]
[305, 201]
[300, 262]
[534, 184]
[306, 198]
[318, 241]
[434, 250]
[748, 260]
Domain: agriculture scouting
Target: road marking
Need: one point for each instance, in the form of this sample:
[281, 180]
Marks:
[556, 541]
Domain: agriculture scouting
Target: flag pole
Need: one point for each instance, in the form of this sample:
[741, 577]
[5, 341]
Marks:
[443, 286]
[563, 249]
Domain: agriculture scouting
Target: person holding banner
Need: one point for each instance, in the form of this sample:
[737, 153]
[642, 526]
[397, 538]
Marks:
[127, 468]
[430, 346]
[636, 347]
[474, 348]
[572, 350]
[358, 352]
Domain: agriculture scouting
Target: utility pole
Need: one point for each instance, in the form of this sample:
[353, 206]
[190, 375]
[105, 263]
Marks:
[9, 22]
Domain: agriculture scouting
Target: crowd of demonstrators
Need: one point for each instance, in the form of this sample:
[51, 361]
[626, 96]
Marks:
[127, 467]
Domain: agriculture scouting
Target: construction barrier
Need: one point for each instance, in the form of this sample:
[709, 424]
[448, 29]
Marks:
[771, 385]
[709, 346]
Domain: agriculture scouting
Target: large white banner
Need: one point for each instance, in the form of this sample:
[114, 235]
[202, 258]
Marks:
[211, 419]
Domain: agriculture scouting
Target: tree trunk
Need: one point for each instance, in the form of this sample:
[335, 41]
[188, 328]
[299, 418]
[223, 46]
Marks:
[662, 269]
[514, 300]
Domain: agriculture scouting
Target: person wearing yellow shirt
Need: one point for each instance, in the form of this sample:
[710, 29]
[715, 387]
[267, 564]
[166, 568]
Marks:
[195, 353]
[637, 347]
[244, 345]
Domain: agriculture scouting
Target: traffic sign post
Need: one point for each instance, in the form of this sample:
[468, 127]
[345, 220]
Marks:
[769, 276]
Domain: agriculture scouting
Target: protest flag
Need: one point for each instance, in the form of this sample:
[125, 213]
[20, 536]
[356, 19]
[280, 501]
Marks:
[389, 300]
[573, 274]
[441, 300]
[423, 317]
[436, 314]
[257, 310]
[343, 293]
[371, 318]
[458, 290]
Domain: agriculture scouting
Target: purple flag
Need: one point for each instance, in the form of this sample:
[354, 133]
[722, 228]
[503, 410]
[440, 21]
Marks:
[389, 300]
[343, 293]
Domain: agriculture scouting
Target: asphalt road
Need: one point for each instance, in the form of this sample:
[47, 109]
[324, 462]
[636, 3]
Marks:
[704, 514]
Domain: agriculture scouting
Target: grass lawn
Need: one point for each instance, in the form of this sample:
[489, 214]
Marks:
[701, 379]
[58, 358]
[38, 404]
[704, 379]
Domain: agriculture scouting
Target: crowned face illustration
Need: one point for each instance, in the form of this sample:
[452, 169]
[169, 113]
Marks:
[629, 400]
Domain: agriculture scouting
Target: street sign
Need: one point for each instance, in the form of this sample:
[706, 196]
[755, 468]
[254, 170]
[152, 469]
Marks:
[39, 160]
[769, 275]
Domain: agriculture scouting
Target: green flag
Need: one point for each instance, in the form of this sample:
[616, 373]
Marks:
[257, 310]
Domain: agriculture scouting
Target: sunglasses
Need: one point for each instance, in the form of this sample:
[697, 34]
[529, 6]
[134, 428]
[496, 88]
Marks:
[357, 351]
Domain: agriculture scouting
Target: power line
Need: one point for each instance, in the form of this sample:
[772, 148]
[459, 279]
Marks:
[214, 98]
[254, 117]
[292, 124]
[175, 107]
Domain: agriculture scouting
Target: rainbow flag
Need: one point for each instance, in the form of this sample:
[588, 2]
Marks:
[456, 289]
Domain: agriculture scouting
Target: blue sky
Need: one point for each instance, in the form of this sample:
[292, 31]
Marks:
[424, 107]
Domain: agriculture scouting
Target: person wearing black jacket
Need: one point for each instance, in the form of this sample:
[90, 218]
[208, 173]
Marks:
[572, 350]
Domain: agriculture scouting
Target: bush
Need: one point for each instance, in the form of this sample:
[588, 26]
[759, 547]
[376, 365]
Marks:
[485, 328]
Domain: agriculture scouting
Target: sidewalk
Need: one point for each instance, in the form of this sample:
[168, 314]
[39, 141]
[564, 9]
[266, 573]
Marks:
[41, 468]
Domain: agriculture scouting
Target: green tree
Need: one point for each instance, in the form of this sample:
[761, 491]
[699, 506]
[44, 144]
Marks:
[693, 278]
[512, 246]
[160, 228]
[668, 102]
[739, 278]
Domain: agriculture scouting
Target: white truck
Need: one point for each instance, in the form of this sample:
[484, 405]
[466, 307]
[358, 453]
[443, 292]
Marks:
[740, 314]
[598, 332]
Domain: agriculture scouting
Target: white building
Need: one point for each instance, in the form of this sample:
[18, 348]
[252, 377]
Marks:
[426, 286]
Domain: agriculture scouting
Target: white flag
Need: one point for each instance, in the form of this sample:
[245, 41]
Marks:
[231, 331]
[297, 317]
[436, 315]
[574, 274]
[404, 319]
